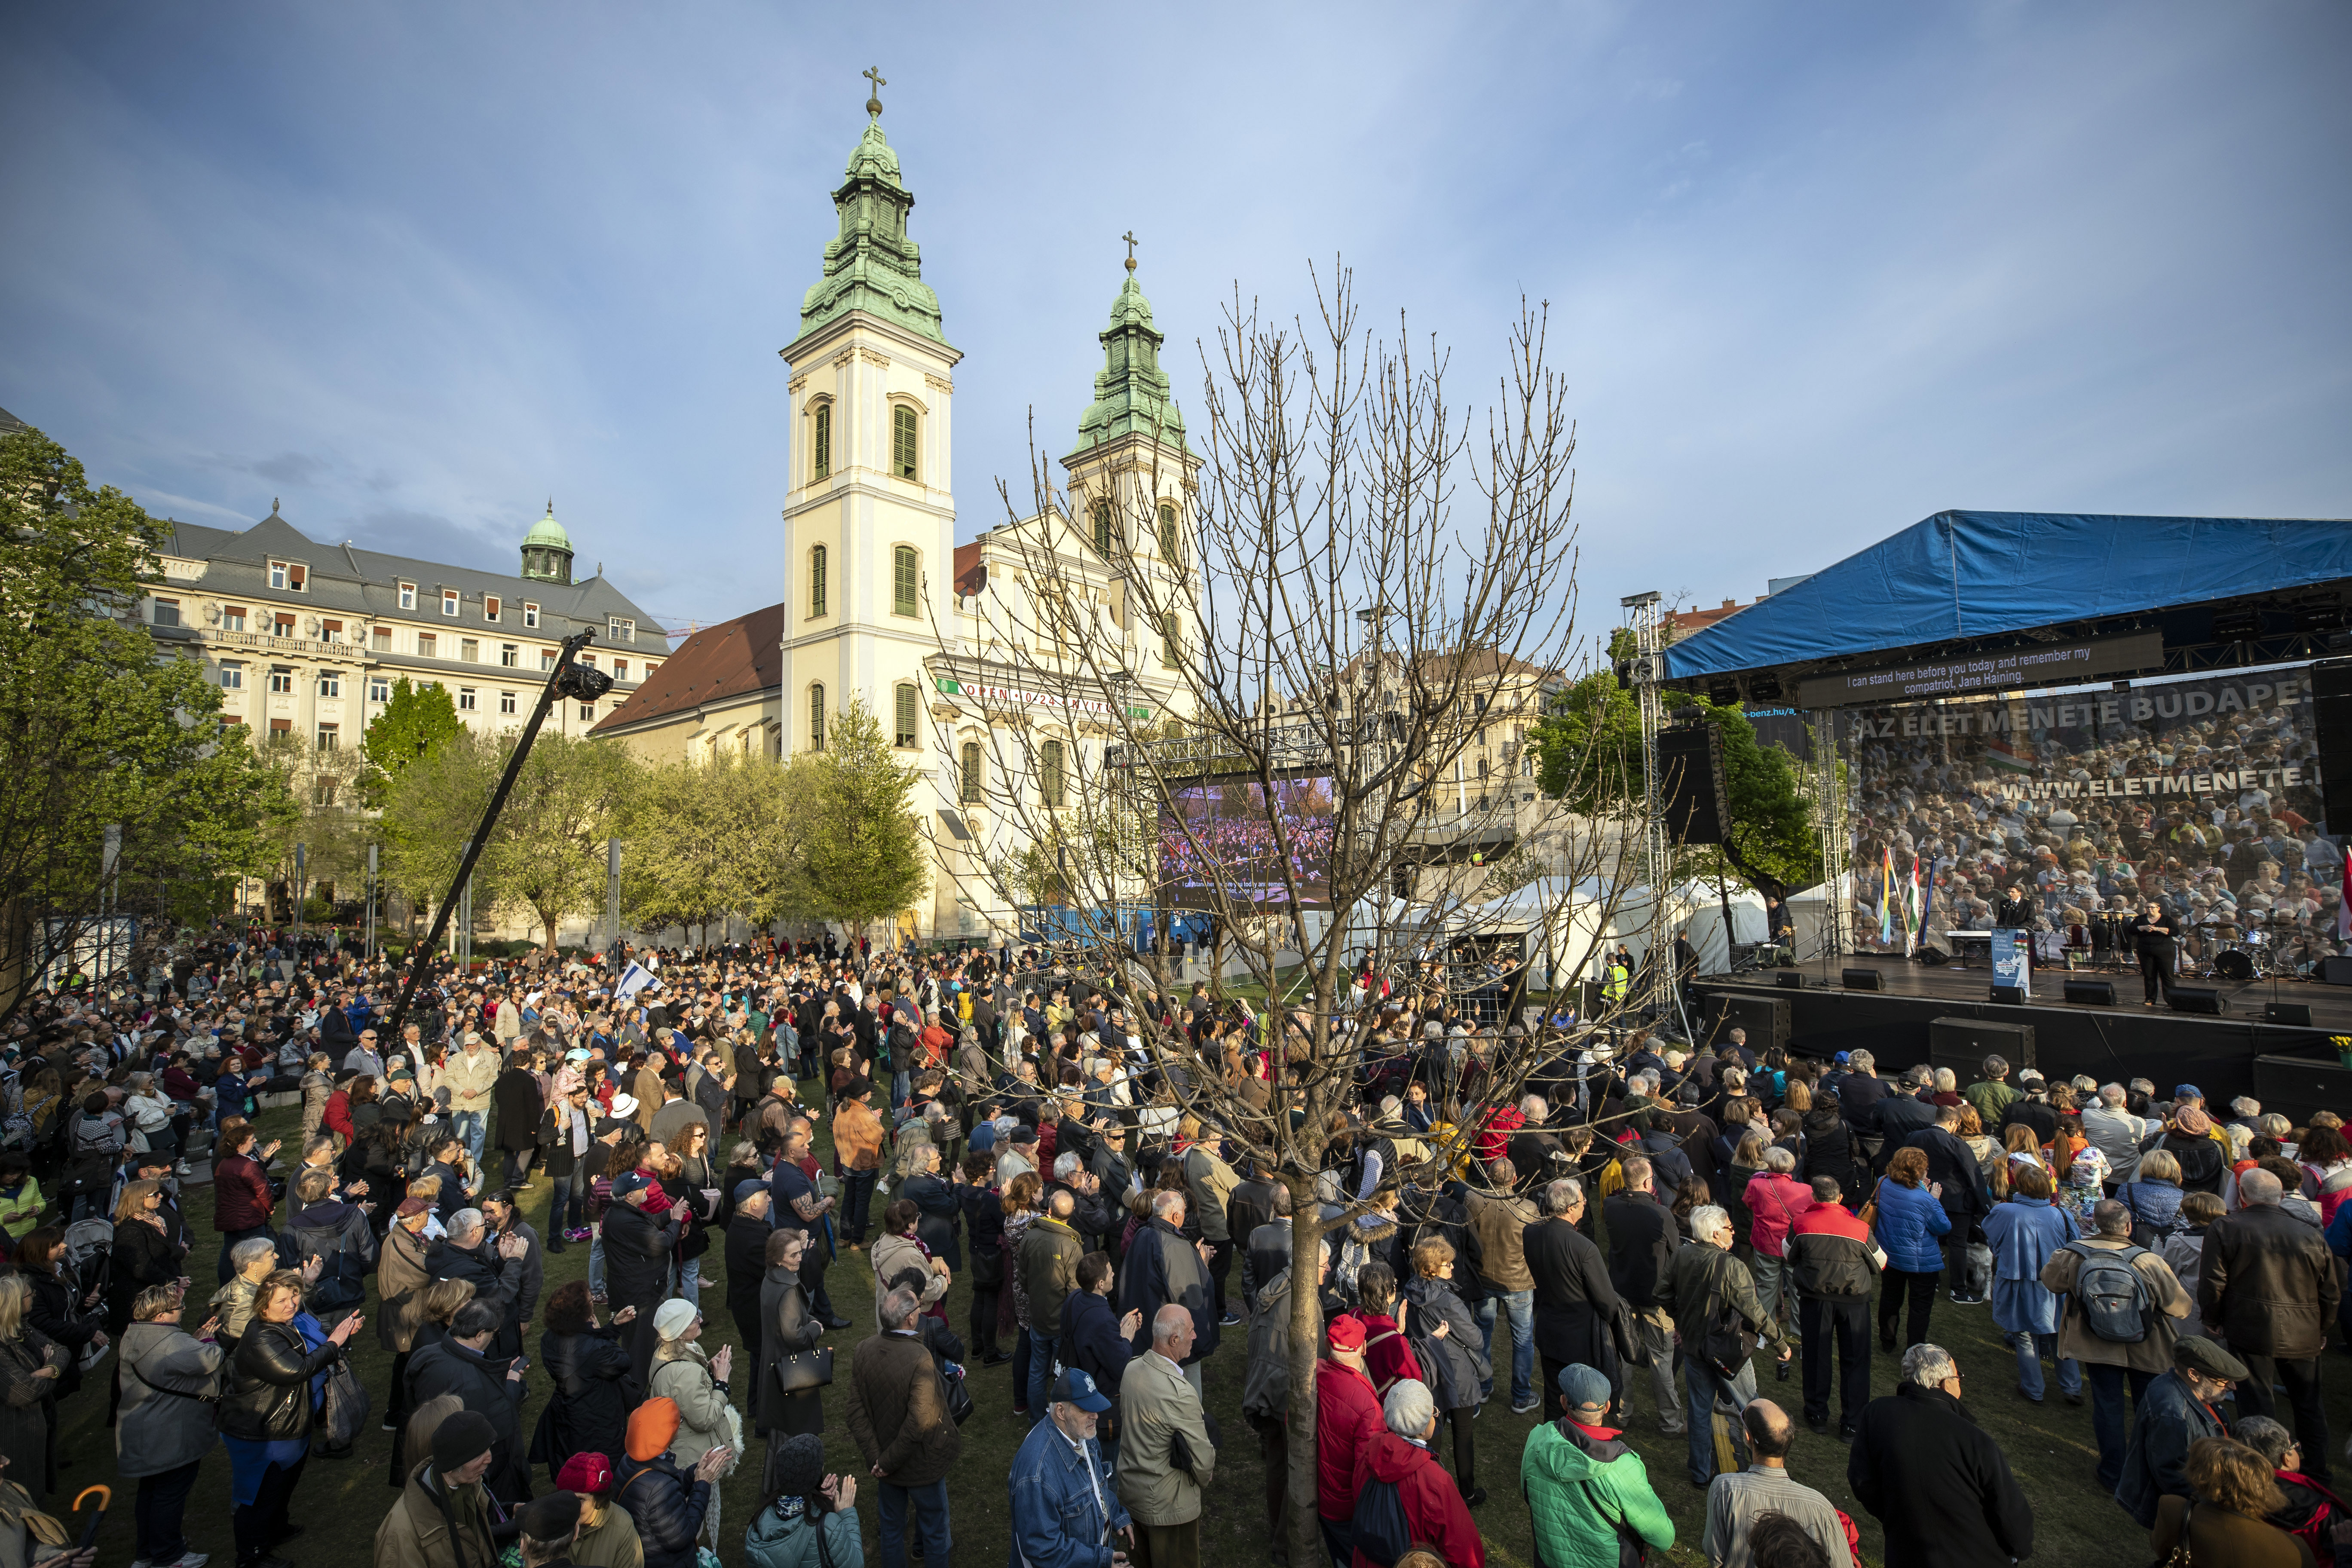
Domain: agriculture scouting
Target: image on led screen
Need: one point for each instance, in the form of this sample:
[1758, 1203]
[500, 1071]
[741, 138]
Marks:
[1225, 833]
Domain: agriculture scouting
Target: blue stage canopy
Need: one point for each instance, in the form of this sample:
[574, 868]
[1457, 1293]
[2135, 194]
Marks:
[1981, 573]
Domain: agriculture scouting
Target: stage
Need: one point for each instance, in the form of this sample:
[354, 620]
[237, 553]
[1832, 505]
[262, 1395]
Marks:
[2290, 1069]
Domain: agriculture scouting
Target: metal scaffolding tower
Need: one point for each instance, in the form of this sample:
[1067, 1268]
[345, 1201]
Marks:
[1836, 841]
[1657, 864]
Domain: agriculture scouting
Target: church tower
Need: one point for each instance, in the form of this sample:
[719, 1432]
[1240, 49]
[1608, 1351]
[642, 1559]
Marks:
[869, 514]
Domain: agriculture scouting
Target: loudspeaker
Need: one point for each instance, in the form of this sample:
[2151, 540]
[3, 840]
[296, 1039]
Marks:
[1789, 979]
[2297, 1014]
[1962, 1045]
[2331, 716]
[2335, 971]
[2011, 995]
[1765, 1016]
[1690, 783]
[1931, 955]
[2091, 992]
[1861, 979]
[2199, 999]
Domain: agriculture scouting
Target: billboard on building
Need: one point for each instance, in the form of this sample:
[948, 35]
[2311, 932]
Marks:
[2201, 795]
[1253, 844]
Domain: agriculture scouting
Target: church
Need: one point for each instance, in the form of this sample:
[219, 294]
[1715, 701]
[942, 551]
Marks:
[999, 668]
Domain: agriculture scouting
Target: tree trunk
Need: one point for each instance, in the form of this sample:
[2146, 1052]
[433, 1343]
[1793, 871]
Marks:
[1306, 1334]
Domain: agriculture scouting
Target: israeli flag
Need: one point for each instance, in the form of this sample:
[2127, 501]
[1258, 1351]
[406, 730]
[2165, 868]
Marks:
[634, 979]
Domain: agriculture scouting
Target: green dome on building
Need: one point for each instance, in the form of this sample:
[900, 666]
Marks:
[547, 551]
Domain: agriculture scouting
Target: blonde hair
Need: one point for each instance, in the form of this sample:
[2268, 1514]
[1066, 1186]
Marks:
[2159, 1165]
[443, 1299]
[133, 1202]
[14, 1289]
[1430, 1254]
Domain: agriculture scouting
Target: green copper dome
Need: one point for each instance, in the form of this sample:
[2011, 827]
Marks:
[547, 551]
[548, 531]
[1132, 392]
[872, 266]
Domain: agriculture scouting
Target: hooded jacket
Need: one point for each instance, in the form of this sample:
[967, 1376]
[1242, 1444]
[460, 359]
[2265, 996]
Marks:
[1589, 1497]
[1346, 1418]
[165, 1420]
[1434, 1510]
[337, 1233]
[1456, 1364]
[417, 1533]
[775, 1541]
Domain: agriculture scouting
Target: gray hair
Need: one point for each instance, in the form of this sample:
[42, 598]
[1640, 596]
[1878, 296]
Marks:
[1929, 1366]
[1994, 1066]
[2246, 1105]
[1166, 1321]
[243, 1256]
[2270, 1125]
[1164, 1204]
[1534, 1109]
[2258, 1187]
[2111, 1094]
[1947, 1080]
[1067, 1166]
[1561, 1195]
[2264, 1436]
[466, 1222]
[899, 1308]
[2111, 1218]
[1780, 1160]
[1860, 1061]
[1709, 1218]
[753, 1203]
[1408, 1408]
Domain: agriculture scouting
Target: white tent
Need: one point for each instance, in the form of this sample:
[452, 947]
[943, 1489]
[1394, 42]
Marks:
[1809, 911]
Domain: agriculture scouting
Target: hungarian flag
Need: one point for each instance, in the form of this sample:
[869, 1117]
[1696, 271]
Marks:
[2005, 758]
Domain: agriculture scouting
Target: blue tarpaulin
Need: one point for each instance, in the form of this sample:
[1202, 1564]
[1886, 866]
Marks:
[1980, 574]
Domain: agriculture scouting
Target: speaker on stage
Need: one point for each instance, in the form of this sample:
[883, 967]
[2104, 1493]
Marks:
[2335, 971]
[2331, 733]
[1932, 956]
[1691, 793]
[2295, 1014]
[2011, 995]
[1861, 979]
[2091, 992]
[2199, 999]
[1789, 979]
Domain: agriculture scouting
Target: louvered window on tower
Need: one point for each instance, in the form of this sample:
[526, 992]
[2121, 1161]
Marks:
[1050, 773]
[816, 580]
[821, 459]
[1171, 646]
[904, 725]
[1168, 531]
[968, 779]
[1102, 522]
[902, 442]
[903, 576]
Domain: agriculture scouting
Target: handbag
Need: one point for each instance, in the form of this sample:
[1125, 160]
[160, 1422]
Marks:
[803, 1370]
[959, 1398]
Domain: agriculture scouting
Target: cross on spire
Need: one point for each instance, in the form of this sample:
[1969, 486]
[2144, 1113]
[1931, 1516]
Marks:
[1129, 237]
[874, 101]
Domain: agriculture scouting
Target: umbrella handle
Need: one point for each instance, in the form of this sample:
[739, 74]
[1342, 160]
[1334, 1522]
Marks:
[105, 1501]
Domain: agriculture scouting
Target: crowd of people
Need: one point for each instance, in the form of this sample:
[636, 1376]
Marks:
[1629, 1234]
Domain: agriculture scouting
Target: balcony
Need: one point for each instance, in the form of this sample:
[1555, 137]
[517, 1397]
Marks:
[289, 647]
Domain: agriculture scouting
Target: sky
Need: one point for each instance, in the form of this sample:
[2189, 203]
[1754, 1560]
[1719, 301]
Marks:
[1814, 271]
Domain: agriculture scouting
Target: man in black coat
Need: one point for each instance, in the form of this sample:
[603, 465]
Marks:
[493, 1266]
[637, 1252]
[1937, 1482]
[1580, 1317]
[517, 1099]
[1642, 1240]
[462, 1363]
[2032, 1109]
[1249, 1205]
[1952, 1166]
[1164, 1269]
[747, 1258]
[1904, 1110]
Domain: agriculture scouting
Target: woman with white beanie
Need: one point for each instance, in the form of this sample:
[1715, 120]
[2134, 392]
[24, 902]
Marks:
[698, 1386]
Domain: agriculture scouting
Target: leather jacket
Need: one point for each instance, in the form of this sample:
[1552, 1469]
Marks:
[268, 1395]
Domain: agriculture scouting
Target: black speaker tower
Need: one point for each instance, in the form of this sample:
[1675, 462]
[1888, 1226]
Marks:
[1690, 783]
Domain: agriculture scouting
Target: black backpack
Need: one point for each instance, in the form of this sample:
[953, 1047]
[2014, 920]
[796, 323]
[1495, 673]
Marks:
[1381, 1531]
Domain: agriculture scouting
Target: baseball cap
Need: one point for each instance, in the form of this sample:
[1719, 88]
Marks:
[1075, 1387]
[629, 1181]
[1346, 1333]
[1586, 1388]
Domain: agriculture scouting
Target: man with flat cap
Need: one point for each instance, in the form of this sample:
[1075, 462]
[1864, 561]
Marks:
[2180, 1408]
[1066, 1510]
[443, 1517]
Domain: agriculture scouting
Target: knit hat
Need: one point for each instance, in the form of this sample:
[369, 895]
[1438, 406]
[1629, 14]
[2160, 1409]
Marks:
[461, 1441]
[586, 1472]
[1409, 1407]
[651, 1427]
[551, 1518]
[673, 1316]
[798, 1468]
[1346, 1333]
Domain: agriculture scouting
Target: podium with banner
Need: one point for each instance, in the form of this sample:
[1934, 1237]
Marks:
[2012, 958]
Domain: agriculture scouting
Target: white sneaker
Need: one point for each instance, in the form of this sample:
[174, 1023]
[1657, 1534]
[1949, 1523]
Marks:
[190, 1560]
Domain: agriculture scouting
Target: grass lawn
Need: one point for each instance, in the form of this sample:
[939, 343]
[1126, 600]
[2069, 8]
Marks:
[339, 1504]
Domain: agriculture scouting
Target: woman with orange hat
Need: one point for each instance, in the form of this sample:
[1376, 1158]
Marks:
[665, 1500]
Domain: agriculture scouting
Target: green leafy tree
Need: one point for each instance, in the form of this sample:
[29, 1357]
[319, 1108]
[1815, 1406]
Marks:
[100, 726]
[722, 837]
[329, 818]
[866, 857]
[420, 716]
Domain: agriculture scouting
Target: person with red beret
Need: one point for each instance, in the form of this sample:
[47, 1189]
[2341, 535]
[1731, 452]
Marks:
[1346, 1417]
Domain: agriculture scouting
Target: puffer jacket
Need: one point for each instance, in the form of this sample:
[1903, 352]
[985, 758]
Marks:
[666, 1503]
[1909, 1221]
[1457, 1363]
[166, 1418]
[1347, 1417]
[775, 1542]
[317, 1089]
[2155, 1205]
[401, 1282]
[338, 1233]
[1587, 1493]
[268, 1395]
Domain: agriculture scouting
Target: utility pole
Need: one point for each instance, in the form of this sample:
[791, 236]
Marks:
[301, 883]
[613, 893]
[369, 949]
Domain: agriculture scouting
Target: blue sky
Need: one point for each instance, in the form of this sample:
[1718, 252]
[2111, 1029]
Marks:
[1816, 271]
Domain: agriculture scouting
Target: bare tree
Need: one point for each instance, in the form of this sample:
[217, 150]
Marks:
[1286, 710]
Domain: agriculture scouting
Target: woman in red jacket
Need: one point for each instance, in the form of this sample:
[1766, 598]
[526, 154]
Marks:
[1346, 1418]
[242, 1197]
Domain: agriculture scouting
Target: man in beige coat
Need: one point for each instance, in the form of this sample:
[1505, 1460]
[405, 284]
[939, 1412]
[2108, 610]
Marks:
[470, 1073]
[1157, 1406]
[2107, 1364]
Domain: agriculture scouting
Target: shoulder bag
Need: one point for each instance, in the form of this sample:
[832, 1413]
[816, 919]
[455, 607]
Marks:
[804, 1371]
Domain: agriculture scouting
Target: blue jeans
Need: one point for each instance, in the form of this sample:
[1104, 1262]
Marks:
[902, 1086]
[1520, 1305]
[597, 1261]
[472, 1127]
[1699, 1386]
[567, 1201]
[1041, 1373]
[2031, 1348]
[689, 1279]
[931, 1504]
[2108, 1423]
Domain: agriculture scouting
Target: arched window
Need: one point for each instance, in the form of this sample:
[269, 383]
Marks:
[1050, 773]
[817, 558]
[1100, 514]
[902, 441]
[821, 459]
[905, 705]
[968, 779]
[903, 579]
[1171, 645]
[816, 717]
[1168, 531]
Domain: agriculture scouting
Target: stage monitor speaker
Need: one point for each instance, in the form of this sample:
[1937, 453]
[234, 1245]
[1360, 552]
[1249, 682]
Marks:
[2091, 992]
[1766, 1016]
[1690, 783]
[1789, 979]
[2011, 995]
[1962, 1045]
[1932, 956]
[1863, 980]
[2199, 999]
[2295, 1014]
[2335, 971]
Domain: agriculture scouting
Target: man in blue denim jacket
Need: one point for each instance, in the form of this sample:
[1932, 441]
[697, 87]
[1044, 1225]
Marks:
[1066, 1510]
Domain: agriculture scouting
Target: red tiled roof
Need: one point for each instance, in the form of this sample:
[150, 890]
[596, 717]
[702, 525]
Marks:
[733, 658]
[969, 576]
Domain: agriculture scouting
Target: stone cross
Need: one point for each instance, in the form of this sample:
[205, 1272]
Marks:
[1129, 237]
[874, 74]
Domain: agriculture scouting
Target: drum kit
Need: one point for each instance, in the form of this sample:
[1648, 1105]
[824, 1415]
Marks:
[2251, 957]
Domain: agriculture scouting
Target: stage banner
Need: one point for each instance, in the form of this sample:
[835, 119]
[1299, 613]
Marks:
[2203, 794]
[2012, 959]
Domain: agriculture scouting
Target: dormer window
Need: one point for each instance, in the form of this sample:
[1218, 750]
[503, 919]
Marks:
[530, 616]
[449, 602]
[408, 595]
[619, 630]
[288, 576]
[490, 607]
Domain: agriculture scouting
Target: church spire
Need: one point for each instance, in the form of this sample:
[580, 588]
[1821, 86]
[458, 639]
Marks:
[1132, 392]
[872, 266]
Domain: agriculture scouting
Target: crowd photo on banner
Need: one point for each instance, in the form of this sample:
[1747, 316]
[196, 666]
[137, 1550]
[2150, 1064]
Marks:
[619, 1261]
